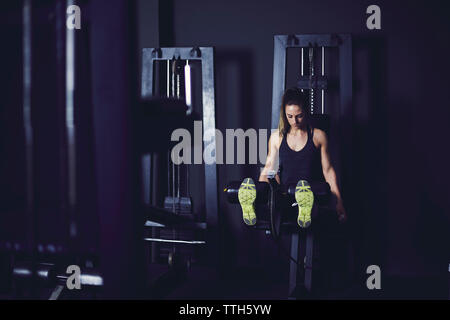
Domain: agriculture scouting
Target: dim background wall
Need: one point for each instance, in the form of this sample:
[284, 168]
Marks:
[401, 221]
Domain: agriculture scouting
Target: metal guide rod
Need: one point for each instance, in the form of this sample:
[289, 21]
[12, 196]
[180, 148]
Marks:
[311, 74]
[70, 124]
[187, 87]
[178, 80]
[187, 181]
[301, 70]
[168, 151]
[173, 76]
[62, 96]
[168, 79]
[175, 241]
[178, 176]
[188, 98]
[174, 93]
[173, 164]
[173, 187]
[168, 172]
[28, 126]
[177, 74]
[323, 74]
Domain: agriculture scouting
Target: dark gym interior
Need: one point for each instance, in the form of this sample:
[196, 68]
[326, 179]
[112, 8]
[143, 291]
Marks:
[84, 144]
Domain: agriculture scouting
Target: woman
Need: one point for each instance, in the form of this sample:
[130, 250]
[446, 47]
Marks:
[303, 157]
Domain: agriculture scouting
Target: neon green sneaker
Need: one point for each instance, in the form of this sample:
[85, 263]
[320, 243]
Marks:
[305, 200]
[247, 196]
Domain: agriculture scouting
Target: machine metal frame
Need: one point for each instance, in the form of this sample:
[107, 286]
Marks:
[206, 56]
[344, 44]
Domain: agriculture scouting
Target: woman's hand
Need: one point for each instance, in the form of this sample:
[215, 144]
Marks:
[342, 215]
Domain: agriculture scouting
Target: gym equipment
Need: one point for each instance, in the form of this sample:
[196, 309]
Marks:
[170, 72]
[301, 253]
[45, 228]
[263, 197]
[339, 126]
[335, 122]
[174, 202]
[74, 209]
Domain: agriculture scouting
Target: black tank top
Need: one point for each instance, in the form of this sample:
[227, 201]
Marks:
[304, 164]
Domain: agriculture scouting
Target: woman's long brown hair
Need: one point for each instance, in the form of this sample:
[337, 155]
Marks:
[292, 96]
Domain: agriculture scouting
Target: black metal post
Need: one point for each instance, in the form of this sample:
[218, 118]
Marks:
[114, 88]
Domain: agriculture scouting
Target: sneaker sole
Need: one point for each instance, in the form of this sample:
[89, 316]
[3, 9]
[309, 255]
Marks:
[305, 200]
[247, 197]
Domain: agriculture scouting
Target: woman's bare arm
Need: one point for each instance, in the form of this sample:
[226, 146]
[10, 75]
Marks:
[329, 173]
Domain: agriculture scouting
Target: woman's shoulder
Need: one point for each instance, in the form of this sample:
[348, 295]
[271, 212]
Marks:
[319, 136]
[319, 133]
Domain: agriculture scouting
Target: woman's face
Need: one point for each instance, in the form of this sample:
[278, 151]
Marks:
[294, 115]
